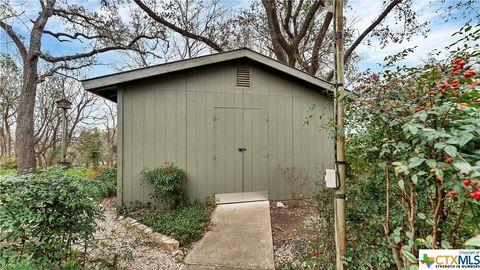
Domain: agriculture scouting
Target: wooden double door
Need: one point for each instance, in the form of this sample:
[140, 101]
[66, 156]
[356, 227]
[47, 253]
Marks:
[241, 148]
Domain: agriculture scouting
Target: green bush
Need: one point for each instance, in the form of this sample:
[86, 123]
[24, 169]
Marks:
[107, 179]
[186, 224]
[168, 185]
[104, 185]
[41, 218]
[39, 264]
[8, 163]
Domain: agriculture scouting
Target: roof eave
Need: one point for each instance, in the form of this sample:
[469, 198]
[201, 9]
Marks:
[99, 84]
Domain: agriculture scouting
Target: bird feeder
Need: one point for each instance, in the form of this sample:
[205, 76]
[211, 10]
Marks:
[63, 104]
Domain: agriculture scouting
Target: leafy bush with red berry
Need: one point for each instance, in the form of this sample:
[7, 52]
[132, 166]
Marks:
[423, 125]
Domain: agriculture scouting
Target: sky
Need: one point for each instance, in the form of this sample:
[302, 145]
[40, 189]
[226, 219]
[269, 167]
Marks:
[362, 12]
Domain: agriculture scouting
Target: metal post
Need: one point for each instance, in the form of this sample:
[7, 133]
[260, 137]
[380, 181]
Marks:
[340, 204]
[64, 105]
[64, 136]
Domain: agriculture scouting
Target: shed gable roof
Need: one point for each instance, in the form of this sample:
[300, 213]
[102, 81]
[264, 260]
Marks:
[105, 86]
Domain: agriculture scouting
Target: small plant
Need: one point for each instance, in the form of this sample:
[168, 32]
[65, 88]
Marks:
[297, 181]
[186, 224]
[168, 185]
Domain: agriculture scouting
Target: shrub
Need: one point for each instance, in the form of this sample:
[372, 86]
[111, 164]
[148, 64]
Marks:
[419, 127]
[8, 163]
[103, 186]
[186, 224]
[107, 178]
[31, 264]
[41, 218]
[168, 185]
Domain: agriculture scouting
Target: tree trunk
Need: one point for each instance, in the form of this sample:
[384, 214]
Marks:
[24, 143]
[387, 226]
[439, 218]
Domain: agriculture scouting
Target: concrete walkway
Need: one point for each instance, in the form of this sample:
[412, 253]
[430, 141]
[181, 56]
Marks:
[240, 238]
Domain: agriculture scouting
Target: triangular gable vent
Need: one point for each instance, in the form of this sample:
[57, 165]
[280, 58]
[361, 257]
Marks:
[243, 76]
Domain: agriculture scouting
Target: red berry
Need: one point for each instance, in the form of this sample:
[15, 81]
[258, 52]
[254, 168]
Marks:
[421, 108]
[440, 89]
[455, 81]
[472, 195]
[462, 63]
[469, 73]
[455, 72]
[474, 183]
[438, 179]
[466, 183]
[449, 160]
[453, 193]
[446, 85]
[431, 93]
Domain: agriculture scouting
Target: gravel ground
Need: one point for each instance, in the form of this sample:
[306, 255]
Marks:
[116, 245]
[297, 221]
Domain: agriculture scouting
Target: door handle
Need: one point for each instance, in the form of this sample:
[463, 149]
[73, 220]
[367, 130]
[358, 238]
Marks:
[242, 149]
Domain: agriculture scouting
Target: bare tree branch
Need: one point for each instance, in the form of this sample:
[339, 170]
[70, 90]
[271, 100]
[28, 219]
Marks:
[319, 42]
[307, 22]
[54, 70]
[367, 31]
[288, 17]
[74, 36]
[16, 39]
[212, 44]
[281, 48]
[129, 46]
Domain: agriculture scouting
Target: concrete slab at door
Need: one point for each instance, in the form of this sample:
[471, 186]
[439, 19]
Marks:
[240, 238]
[239, 197]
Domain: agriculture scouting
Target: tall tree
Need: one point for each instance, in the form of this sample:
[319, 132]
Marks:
[294, 31]
[95, 32]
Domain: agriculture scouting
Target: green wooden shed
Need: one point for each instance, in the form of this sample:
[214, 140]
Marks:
[234, 121]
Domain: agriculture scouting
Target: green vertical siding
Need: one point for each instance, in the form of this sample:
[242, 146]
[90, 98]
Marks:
[198, 119]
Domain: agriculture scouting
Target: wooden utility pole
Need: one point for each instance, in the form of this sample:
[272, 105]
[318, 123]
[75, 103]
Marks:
[340, 208]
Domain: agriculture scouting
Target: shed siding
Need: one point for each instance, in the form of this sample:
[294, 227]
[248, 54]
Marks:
[197, 119]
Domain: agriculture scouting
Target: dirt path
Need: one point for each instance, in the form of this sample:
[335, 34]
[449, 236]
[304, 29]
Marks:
[117, 245]
[294, 221]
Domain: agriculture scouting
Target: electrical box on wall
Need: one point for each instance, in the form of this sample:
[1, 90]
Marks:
[331, 178]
